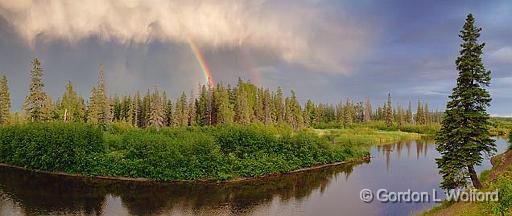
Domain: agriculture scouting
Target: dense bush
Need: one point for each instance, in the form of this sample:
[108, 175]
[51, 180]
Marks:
[168, 154]
[51, 146]
[510, 140]
[504, 186]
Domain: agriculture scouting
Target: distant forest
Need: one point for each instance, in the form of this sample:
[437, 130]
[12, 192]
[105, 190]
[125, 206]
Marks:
[242, 104]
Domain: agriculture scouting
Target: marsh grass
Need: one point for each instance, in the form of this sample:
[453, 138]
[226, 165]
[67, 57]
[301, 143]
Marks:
[365, 136]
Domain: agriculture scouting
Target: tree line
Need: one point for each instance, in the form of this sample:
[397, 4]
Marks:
[243, 104]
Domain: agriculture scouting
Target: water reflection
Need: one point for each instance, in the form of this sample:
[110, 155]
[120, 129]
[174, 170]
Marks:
[37, 194]
[328, 191]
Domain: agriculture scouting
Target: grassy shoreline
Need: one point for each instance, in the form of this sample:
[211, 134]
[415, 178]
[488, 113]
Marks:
[499, 177]
[363, 159]
[206, 153]
[219, 153]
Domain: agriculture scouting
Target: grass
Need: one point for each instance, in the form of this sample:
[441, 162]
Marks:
[428, 129]
[365, 136]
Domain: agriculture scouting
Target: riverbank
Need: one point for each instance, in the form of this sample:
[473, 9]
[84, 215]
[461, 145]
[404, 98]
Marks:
[170, 154]
[354, 161]
[498, 178]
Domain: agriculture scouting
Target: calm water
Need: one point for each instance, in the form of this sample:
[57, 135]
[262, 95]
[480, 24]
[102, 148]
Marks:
[329, 191]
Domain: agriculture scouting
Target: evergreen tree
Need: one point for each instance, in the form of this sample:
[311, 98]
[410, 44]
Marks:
[5, 100]
[464, 137]
[191, 112]
[259, 114]
[136, 111]
[348, 112]
[242, 110]
[309, 113]
[426, 114]
[389, 112]
[99, 105]
[71, 106]
[37, 105]
[117, 108]
[267, 107]
[279, 106]
[157, 113]
[146, 108]
[225, 113]
[168, 113]
[127, 109]
[181, 111]
[294, 112]
[408, 115]
[367, 116]
[420, 115]
[399, 115]
[202, 107]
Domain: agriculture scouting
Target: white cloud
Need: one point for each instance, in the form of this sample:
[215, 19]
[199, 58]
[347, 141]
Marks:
[502, 55]
[300, 32]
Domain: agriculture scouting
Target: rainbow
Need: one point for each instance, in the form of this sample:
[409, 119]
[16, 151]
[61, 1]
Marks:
[202, 63]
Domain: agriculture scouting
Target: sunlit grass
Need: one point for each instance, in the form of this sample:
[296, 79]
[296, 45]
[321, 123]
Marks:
[364, 136]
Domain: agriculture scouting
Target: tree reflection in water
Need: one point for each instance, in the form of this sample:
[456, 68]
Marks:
[42, 194]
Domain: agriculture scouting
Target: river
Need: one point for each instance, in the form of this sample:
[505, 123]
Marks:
[327, 191]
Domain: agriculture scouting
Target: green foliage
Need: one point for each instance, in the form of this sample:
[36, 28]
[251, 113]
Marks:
[500, 126]
[71, 106]
[37, 105]
[484, 175]
[191, 153]
[5, 100]
[50, 146]
[99, 108]
[504, 186]
[464, 137]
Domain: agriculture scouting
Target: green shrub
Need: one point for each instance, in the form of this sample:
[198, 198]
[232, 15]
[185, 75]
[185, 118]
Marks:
[191, 153]
[50, 146]
[504, 186]
[510, 140]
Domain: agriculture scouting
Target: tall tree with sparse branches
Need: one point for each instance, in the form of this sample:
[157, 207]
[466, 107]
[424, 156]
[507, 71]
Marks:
[388, 112]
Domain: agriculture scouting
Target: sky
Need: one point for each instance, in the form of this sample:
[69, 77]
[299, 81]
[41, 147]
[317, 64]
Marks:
[324, 50]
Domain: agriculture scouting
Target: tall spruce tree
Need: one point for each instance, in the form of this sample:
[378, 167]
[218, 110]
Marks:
[157, 112]
[242, 109]
[279, 106]
[5, 100]
[71, 106]
[420, 116]
[99, 105]
[202, 107]
[464, 137]
[389, 112]
[225, 113]
[408, 115]
[37, 105]
[181, 111]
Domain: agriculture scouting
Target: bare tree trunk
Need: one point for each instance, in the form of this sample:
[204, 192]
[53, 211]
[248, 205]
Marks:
[474, 177]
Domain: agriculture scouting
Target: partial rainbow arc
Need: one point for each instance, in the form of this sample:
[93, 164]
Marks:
[202, 63]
